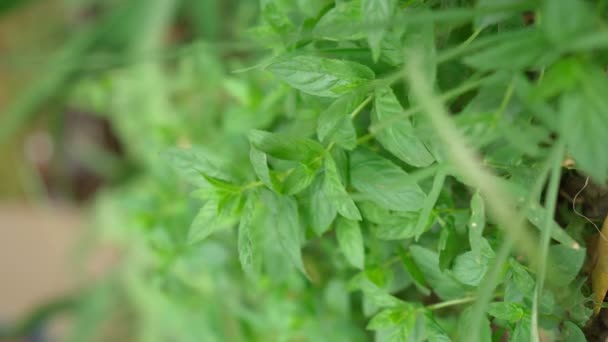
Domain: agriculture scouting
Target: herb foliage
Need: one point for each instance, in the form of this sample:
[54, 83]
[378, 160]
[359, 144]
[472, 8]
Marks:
[387, 169]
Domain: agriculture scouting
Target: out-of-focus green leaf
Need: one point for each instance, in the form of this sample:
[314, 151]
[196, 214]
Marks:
[283, 146]
[248, 247]
[286, 224]
[334, 123]
[444, 285]
[511, 312]
[399, 137]
[350, 241]
[336, 192]
[376, 15]
[384, 183]
[321, 76]
[343, 22]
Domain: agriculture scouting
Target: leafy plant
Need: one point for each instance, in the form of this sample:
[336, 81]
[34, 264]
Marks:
[386, 169]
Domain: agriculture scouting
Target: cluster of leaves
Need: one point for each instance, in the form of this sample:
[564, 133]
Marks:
[380, 173]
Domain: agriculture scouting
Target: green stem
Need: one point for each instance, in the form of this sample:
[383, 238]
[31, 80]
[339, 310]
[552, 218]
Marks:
[491, 280]
[551, 204]
[449, 303]
[500, 202]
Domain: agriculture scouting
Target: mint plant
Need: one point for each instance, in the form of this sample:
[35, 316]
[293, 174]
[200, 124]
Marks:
[369, 169]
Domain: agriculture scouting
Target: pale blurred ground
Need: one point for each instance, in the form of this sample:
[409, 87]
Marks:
[36, 255]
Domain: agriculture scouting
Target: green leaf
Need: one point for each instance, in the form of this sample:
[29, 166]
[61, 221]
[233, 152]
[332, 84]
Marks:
[350, 241]
[415, 273]
[284, 211]
[299, 179]
[343, 22]
[477, 223]
[207, 222]
[377, 15]
[384, 183]
[566, 262]
[451, 244]
[321, 76]
[321, 210]
[403, 316]
[522, 332]
[334, 123]
[521, 278]
[399, 137]
[259, 162]
[336, 192]
[561, 77]
[279, 22]
[373, 292]
[572, 333]
[387, 231]
[443, 284]
[584, 123]
[564, 20]
[283, 146]
[435, 333]
[510, 312]
[194, 161]
[429, 203]
[249, 251]
[535, 214]
[511, 53]
[470, 268]
[392, 50]
[486, 20]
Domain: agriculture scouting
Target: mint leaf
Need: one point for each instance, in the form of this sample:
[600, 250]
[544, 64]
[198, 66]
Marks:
[383, 182]
[286, 223]
[283, 146]
[350, 241]
[399, 137]
[320, 208]
[207, 222]
[566, 262]
[321, 76]
[565, 20]
[247, 244]
[572, 333]
[510, 312]
[299, 179]
[334, 123]
[403, 316]
[470, 268]
[343, 22]
[584, 123]
[336, 192]
[443, 284]
[511, 53]
[373, 292]
[259, 162]
[276, 19]
[522, 332]
[477, 223]
[377, 15]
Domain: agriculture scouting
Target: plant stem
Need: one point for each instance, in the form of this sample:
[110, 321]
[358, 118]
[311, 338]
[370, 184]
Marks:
[500, 202]
[550, 203]
[449, 303]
